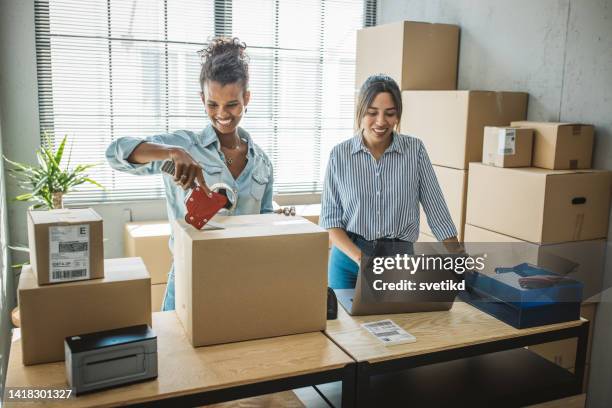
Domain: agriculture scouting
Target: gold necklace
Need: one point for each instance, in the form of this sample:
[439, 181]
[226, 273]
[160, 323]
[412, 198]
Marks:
[229, 161]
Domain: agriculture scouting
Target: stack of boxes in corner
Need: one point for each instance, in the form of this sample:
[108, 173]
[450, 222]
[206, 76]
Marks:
[69, 289]
[450, 123]
[551, 215]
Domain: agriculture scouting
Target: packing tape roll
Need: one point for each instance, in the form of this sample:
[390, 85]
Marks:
[231, 195]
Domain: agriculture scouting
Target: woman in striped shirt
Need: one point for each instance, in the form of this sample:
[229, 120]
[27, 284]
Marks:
[374, 184]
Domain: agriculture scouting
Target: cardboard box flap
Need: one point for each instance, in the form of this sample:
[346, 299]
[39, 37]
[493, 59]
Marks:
[246, 226]
[68, 216]
[116, 269]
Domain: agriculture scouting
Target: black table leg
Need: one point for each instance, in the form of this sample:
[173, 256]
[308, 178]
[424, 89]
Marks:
[349, 386]
[362, 388]
[581, 353]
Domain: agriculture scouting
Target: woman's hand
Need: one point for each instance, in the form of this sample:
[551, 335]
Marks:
[187, 170]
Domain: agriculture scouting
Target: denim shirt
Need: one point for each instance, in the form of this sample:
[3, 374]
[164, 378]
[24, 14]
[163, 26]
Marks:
[253, 186]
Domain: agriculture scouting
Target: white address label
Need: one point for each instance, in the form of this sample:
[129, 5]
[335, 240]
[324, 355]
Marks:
[388, 332]
[506, 142]
[68, 253]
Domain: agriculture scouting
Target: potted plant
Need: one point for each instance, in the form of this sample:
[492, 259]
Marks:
[48, 182]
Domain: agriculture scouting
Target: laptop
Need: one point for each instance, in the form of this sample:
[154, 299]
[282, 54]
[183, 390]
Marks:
[357, 304]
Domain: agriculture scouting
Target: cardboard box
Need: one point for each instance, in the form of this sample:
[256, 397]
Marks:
[563, 352]
[51, 313]
[561, 145]
[417, 55]
[66, 245]
[507, 146]
[580, 260]
[150, 241]
[157, 296]
[451, 123]
[537, 205]
[453, 183]
[261, 276]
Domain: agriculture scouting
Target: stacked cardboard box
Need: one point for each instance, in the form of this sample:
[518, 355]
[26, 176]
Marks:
[549, 215]
[65, 245]
[417, 55]
[451, 125]
[70, 289]
[149, 240]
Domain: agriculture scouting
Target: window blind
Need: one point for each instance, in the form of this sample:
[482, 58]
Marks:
[112, 68]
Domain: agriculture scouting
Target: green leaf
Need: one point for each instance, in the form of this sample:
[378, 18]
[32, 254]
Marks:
[60, 150]
[24, 197]
[95, 183]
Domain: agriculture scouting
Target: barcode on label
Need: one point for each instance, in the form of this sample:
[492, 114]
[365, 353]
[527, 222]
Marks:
[73, 246]
[380, 324]
[507, 151]
[387, 334]
[72, 274]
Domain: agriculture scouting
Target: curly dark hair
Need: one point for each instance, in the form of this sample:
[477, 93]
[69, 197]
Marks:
[224, 61]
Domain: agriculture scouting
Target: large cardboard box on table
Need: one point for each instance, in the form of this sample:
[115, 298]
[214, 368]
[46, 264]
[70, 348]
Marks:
[580, 260]
[417, 55]
[453, 184]
[149, 240]
[260, 276]
[451, 123]
[51, 313]
[538, 205]
[507, 146]
[66, 245]
[561, 146]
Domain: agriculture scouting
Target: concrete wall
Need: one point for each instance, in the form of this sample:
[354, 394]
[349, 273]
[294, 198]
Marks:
[560, 51]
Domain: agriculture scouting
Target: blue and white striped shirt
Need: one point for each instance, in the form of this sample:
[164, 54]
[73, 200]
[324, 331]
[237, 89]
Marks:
[380, 199]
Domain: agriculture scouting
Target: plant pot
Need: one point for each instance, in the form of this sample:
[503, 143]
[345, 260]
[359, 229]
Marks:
[58, 200]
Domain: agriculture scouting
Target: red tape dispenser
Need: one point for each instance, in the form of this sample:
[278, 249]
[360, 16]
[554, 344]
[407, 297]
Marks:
[200, 207]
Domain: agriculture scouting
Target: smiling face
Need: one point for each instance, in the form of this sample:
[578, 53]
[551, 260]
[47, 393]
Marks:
[380, 120]
[225, 105]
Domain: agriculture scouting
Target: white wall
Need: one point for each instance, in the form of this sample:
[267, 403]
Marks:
[560, 51]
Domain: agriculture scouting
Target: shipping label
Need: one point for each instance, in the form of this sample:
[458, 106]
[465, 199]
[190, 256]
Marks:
[506, 142]
[68, 253]
[388, 332]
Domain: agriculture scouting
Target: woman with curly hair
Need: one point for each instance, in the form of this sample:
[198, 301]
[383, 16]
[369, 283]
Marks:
[222, 152]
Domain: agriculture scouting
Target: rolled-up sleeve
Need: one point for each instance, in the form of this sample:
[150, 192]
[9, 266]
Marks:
[432, 199]
[119, 150]
[331, 206]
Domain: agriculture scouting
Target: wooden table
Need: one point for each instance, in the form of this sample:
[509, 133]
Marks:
[460, 333]
[189, 376]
